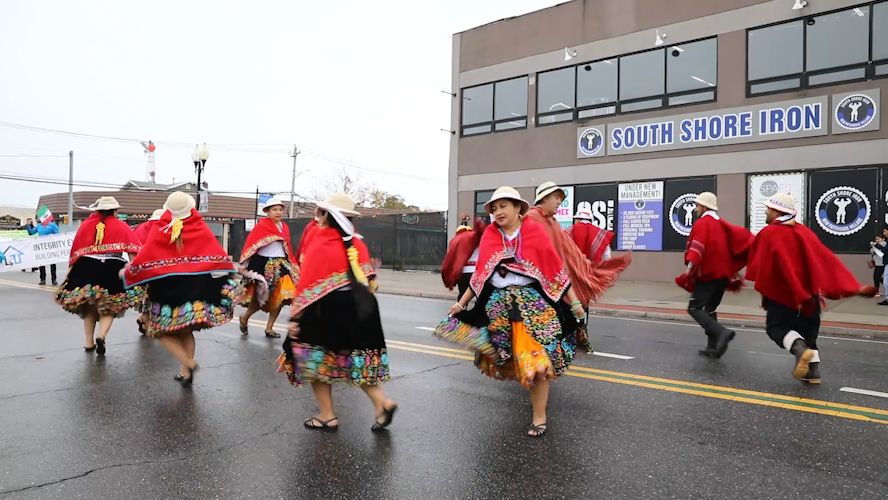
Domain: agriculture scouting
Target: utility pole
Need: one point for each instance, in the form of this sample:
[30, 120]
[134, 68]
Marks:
[70, 189]
[293, 155]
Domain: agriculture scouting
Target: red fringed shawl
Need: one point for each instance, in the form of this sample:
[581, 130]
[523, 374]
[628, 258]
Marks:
[325, 266]
[532, 255]
[792, 267]
[265, 232]
[303, 240]
[460, 250]
[718, 250]
[143, 230]
[589, 281]
[196, 251]
[591, 239]
[118, 238]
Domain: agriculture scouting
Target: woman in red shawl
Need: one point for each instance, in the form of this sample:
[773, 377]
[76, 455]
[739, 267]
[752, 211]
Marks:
[519, 327]
[335, 333]
[270, 268]
[141, 232]
[462, 256]
[93, 289]
[190, 279]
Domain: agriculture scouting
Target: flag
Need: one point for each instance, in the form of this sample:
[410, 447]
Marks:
[44, 215]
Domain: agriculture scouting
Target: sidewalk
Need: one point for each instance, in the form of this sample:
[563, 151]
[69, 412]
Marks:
[854, 316]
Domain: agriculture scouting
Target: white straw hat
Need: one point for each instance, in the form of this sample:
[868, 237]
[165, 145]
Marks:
[180, 205]
[104, 203]
[507, 193]
[547, 188]
[707, 199]
[157, 214]
[782, 202]
[584, 211]
[272, 202]
[342, 202]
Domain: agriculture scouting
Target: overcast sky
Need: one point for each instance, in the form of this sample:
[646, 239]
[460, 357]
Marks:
[349, 82]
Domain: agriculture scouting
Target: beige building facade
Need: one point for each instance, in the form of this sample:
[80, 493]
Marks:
[634, 105]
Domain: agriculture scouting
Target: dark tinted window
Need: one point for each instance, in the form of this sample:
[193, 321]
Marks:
[642, 75]
[776, 50]
[880, 31]
[477, 108]
[838, 39]
[692, 66]
[597, 83]
[555, 92]
[481, 197]
[510, 104]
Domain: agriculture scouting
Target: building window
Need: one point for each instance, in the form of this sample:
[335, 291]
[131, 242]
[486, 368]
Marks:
[597, 89]
[825, 49]
[477, 110]
[692, 72]
[556, 93]
[481, 197]
[510, 104]
[642, 81]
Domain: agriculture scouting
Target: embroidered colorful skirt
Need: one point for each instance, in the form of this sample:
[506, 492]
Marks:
[195, 302]
[96, 284]
[334, 345]
[523, 341]
[278, 287]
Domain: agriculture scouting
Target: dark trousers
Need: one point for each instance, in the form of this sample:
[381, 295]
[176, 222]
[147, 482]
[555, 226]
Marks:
[780, 319]
[463, 284]
[52, 272]
[705, 299]
[877, 276]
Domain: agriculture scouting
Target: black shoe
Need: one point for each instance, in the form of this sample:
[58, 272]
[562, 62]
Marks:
[100, 346]
[803, 357]
[709, 352]
[721, 343]
[55, 283]
[42, 283]
[813, 375]
[884, 303]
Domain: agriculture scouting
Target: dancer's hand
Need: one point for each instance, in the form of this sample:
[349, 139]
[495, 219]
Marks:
[293, 330]
[578, 312]
[456, 309]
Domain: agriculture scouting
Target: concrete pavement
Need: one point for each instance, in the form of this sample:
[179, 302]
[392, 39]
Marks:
[853, 316]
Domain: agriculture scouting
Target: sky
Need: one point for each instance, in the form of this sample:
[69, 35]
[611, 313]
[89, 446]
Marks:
[355, 85]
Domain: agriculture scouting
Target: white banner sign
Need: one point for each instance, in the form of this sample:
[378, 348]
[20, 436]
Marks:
[36, 251]
[762, 187]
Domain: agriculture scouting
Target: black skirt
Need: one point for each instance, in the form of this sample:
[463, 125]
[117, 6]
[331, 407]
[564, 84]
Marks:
[89, 271]
[190, 302]
[94, 284]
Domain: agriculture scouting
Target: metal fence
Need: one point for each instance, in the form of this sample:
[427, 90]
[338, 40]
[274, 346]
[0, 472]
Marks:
[405, 241]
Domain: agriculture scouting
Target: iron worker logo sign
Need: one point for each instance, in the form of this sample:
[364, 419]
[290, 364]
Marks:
[855, 112]
[681, 213]
[590, 142]
[843, 210]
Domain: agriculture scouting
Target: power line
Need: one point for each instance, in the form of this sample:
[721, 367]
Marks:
[33, 156]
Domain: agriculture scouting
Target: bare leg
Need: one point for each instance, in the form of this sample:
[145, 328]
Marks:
[324, 397]
[251, 310]
[105, 322]
[377, 396]
[272, 318]
[189, 344]
[539, 398]
[90, 318]
[174, 345]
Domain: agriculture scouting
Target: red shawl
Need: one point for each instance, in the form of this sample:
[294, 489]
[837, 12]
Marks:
[792, 267]
[143, 230]
[534, 257]
[196, 251]
[265, 232]
[117, 237]
[718, 250]
[303, 240]
[460, 250]
[325, 266]
[591, 239]
[589, 281]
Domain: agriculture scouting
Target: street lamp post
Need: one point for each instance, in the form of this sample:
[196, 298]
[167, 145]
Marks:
[199, 157]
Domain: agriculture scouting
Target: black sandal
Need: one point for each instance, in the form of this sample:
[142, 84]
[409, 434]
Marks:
[536, 431]
[273, 335]
[387, 416]
[89, 349]
[244, 328]
[142, 329]
[100, 346]
[316, 424]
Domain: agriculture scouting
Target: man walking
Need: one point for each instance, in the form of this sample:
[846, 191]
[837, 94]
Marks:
[794, 271]
[46, 227]
[716, 251]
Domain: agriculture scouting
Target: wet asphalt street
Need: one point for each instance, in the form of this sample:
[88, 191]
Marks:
[648, 418]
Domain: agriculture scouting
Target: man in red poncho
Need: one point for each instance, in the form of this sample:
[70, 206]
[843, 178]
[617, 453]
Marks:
[716, 252]
[591, 239]
[462, 255]
[794, 271]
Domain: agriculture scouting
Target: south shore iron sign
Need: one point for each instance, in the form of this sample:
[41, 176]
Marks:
[849, 112]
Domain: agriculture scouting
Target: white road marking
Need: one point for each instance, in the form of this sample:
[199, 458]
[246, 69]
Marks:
[426, 328]
[615, 356]
[865, 392]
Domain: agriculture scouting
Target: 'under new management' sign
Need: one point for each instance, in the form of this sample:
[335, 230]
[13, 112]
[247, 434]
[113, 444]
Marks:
[850, 112]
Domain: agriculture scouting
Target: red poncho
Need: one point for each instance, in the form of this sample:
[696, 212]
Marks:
[114, 236]
[591, 239]
[460, 250]
[195, 251]
[533, 255]
[325, 266]
[143, 230]
[589, 281]
[792, 267]
[265, 232]
[303, 240]
[717, 249]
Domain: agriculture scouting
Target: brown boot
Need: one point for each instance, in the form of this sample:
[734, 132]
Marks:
[803, 357]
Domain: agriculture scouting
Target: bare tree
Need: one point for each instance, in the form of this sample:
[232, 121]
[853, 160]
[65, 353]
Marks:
[345, 180]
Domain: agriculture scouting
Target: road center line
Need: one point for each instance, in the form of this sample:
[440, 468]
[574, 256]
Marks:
[865, 392]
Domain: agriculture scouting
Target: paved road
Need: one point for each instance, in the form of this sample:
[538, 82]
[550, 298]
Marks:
[654, 419]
